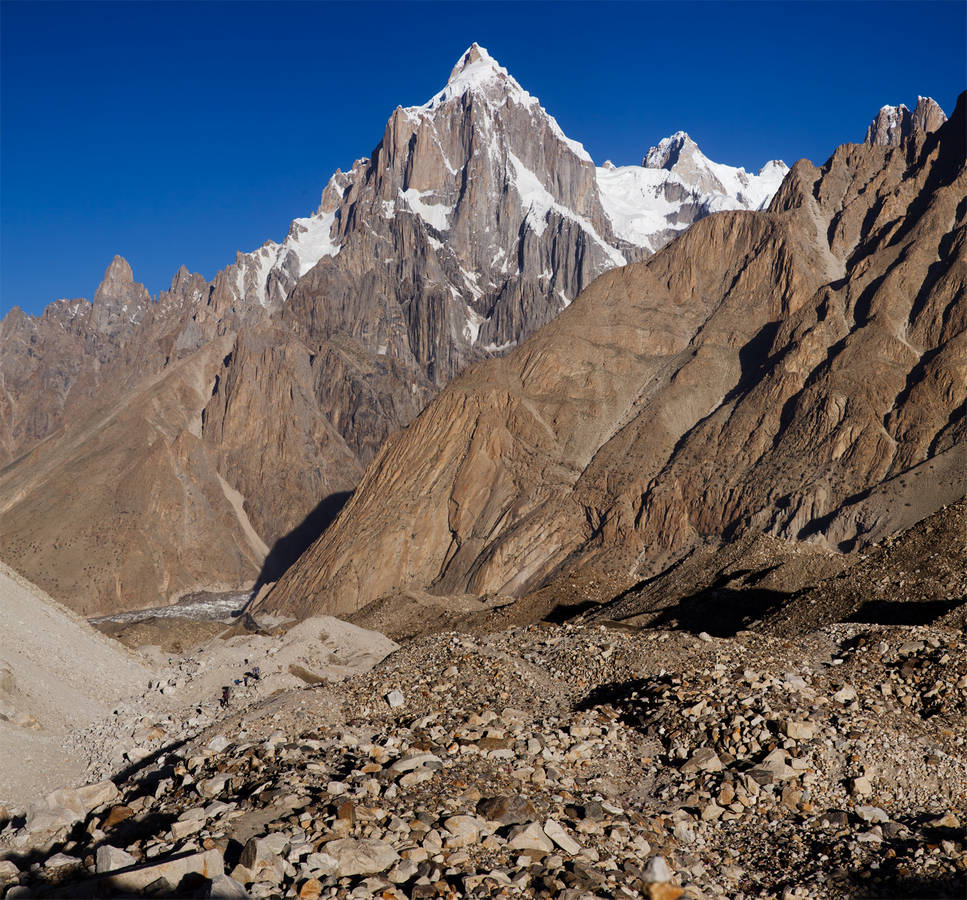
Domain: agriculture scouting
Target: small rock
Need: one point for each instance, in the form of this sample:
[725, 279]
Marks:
[395, 699]
[310, 890]
[117, 815]
[798, 731]
[8, 870]
[219, 743]
[775, 763]
[321, 863]
[182, 829]
[403, 871]
[656, 871]
[664, 891]
[946, 821]
[224, 887]
[834, 817]
[556, 833]
[704, 759]
[862, 786]
[109, 858]
[61, 861]
[416, 761]
[361, 857]
[465, 830]
[94, 795]
[872, 814]
[529, 837]
[212, 787]
[507, 810]
[262, 857]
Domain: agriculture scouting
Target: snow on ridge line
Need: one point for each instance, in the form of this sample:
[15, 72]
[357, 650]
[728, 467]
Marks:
[309, 240]
[533, 194]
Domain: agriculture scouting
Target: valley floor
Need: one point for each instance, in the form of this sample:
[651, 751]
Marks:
[544, 760]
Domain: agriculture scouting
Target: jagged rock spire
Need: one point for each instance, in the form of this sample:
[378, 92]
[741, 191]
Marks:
[893, 124]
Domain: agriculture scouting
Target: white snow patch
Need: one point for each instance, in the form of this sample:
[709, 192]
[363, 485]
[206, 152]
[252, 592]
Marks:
[494, 348]
[471, 279]
[310, 240]
[472, 327]
[433, 213]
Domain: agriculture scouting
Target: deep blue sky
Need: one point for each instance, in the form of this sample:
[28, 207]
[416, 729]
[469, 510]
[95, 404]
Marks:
[181, 132]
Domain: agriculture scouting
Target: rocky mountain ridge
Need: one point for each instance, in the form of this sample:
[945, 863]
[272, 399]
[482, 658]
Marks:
[458, 237]
[818, 346]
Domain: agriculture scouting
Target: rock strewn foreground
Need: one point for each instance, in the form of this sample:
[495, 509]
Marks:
[558, 761]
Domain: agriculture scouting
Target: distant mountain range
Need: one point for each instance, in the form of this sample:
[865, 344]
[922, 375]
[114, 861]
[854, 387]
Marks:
[159, 446]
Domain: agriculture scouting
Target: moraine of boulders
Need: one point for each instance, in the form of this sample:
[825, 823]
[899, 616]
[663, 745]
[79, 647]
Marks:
[549, 761]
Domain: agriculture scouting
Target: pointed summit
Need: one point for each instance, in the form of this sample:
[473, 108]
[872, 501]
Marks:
[477, 70]
[118, 272]
[181, 277]
[681, 155]
[670, 150]
[477, 56]
[928, 116]
[119, 298]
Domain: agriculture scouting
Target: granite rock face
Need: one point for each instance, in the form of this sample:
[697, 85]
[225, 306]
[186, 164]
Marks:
[893, 124]
[754, 376]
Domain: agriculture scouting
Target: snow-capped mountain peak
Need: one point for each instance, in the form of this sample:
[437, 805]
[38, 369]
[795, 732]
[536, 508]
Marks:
[675, 185]
[530, 184]
[476, 70]
[667, 152]
[893, 124]
[476, 64]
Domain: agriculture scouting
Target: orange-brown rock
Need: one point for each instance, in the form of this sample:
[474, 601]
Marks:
[126, 507]
[754, 376]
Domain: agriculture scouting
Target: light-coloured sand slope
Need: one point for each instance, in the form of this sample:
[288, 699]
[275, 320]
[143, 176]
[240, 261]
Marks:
[56, 674]
[77, 706]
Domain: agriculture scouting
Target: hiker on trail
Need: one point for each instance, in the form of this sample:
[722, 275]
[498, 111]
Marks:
[226, 691]
[255, 673]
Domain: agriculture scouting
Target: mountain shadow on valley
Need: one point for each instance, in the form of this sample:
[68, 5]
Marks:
[720, 612]
[900, 612]
[290, 547]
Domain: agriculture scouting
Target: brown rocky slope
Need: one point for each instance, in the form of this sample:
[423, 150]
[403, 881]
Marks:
[473, 222]
[127, 507]
[756, 375]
